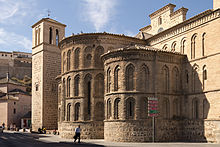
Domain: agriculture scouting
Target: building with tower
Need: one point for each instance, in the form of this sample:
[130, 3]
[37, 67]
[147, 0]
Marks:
[102, 81]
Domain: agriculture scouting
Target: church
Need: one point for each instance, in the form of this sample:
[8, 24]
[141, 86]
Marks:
[103, 81]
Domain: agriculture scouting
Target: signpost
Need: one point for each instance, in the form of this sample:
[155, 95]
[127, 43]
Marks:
[153, 112]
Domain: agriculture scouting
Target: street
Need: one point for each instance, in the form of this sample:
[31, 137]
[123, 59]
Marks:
[19, 139]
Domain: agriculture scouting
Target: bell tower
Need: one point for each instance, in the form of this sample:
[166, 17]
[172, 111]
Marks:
[46, 62]
[216, 4]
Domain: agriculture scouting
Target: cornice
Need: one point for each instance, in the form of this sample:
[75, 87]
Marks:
[191, 23]
[169, 6]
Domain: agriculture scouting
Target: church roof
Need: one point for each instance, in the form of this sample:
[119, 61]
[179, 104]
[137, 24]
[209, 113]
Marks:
[49, 20]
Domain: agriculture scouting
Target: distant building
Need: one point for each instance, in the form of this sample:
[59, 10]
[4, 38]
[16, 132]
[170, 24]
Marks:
[18, 64]
[15, 102]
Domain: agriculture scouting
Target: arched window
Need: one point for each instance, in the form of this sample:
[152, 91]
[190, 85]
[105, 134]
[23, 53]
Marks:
[76, 58]
[204, 76]
[98, 52]
[183, 45]
[77, 111]
[88, 93]
[160, 20]
[87, 56]
[166, 108]
[99, 109]
[176, 108]
[36, 36]
[176, 79]
[203, 44]
[68, 86]
[57, 37]
[99, 85]
[144, 83]
[50, 36]
[160, 30]
[68, 112]
[64, 88]
[195, 77]
[76, 85]
[116, 78]
[116, 108]
[64, 61]
[173, 46]
[165, 73]
[195, 108]
[108, 80]
[68, 59]
[130, 106]
[109, 108]
[129, 77]
[193, 46]
[165, 47]
[187, 77]
[205, 108]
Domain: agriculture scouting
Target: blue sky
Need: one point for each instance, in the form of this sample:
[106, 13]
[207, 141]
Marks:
[114, 16]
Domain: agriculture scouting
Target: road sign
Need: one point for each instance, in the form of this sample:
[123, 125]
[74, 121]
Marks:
[152, 106]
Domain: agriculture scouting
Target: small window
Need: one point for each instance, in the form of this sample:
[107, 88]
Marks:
[14, 103]
[37, 87]
[14, 111]
[160, 20]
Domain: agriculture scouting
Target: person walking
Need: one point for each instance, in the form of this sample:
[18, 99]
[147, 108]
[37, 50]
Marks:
[77, 134]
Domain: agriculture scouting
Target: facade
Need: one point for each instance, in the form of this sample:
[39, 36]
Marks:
[15, 102]
[17, 64]
[104, 80]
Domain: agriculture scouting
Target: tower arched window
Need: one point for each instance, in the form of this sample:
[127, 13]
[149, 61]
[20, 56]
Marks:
[129, 77]
[203, 44]
[116, 72]
[109, 108]
[50, 35]
[99, 109]
[76, 85]
[68, 86]
[77, 111]
[98, 52]
[57, 37]
[68, 59]
[165, 73]
[108, 80]
[130, 107]
[116, 108]
[194, 77]
[68, 112]
[76, 58]
[193, 46]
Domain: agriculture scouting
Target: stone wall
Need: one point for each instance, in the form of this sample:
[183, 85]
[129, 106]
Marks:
[89, 130]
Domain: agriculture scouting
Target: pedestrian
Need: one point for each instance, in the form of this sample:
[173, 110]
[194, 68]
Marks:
[77, 134]
[3, 125]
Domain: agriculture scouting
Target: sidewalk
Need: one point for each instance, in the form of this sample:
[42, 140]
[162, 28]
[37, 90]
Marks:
[50, 138]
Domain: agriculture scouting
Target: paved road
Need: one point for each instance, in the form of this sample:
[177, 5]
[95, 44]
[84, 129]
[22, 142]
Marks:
[14, 139]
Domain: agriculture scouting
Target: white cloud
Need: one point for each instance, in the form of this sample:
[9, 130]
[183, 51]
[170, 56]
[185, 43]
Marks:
[10, 40]
[99, 12]
[14, 11]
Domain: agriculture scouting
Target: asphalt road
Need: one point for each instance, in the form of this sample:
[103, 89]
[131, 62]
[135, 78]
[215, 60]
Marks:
[17, 139]
[22, 140]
